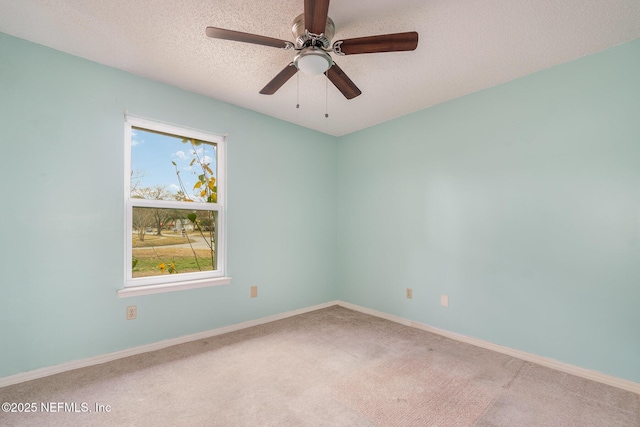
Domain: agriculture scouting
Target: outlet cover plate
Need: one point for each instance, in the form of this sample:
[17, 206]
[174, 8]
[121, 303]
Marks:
[444, 300]
[132, 312]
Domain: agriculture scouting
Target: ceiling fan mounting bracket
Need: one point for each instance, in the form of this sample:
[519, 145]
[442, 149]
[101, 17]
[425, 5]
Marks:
[337, 48]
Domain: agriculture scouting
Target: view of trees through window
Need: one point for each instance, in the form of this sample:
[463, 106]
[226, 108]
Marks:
[173, 193]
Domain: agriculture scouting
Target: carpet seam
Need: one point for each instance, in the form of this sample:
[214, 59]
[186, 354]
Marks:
[516, 375]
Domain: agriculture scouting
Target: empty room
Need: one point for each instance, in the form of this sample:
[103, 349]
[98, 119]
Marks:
[313, 213]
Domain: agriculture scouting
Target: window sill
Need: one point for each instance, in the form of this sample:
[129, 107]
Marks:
[134, 291]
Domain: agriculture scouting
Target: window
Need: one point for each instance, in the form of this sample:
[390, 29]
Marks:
[175, 206]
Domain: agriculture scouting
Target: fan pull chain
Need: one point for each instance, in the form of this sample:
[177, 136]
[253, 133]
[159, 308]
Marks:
[297, 90]
[326, 98]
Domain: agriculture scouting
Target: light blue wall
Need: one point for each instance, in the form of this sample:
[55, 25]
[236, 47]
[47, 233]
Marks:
[62, 151]
[521, 202]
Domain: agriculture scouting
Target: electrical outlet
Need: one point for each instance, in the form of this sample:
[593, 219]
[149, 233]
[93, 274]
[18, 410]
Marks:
[254, 291]
[409, 293]
[444, 300]
[132, 312]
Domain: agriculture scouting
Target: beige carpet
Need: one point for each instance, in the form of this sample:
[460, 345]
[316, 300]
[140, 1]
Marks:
[331, 367]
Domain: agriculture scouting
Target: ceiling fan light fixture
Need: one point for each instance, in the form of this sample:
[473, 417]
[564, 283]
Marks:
[313, 61]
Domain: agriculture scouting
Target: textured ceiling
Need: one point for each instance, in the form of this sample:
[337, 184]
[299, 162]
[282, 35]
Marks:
[464, 46]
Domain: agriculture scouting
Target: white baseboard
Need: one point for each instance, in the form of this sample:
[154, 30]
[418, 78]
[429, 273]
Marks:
[97, 360]
[544, 361]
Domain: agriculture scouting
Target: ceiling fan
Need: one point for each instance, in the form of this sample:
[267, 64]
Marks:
[313, 31]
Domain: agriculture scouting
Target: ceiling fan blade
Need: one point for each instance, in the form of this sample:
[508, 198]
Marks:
[280, 79]
[315, 15]
[383, 43]
[221, 33]
[342, 82]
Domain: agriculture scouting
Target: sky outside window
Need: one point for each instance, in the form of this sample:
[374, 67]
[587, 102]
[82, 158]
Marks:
[152, 155]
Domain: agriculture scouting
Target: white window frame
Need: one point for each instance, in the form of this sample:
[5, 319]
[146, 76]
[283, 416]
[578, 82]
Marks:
[173, 282]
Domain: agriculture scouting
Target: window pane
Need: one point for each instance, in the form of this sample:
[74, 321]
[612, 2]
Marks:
[169, 167]
[173, 241]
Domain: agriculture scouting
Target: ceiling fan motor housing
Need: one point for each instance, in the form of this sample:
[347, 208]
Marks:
[305, 39]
